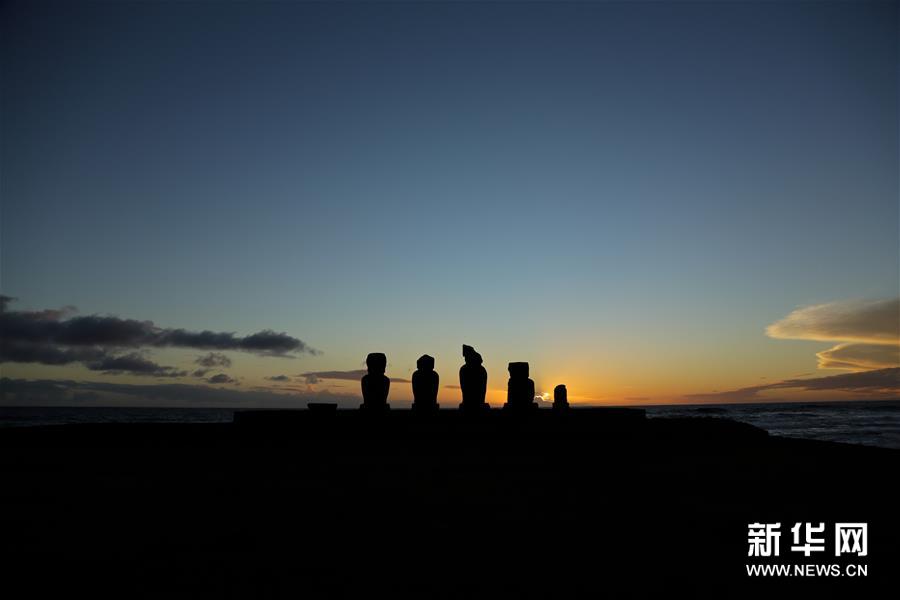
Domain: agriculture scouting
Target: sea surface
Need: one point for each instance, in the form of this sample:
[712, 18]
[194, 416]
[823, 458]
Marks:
[872, 423]
[869, 423]
[15, 416]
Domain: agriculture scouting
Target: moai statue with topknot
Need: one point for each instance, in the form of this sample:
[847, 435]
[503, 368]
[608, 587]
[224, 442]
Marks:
[375, 385]
[425, 382]
[473, 381]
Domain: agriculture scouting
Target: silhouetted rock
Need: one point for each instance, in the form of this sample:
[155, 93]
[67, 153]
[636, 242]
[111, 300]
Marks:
[472, 381]
[281, 504]
[425, 382]
[322, 408]
[520, 390]
[560, 398]
[375, 385]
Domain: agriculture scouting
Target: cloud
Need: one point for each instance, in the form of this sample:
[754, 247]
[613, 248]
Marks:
[213, 359]
[279, 378]
[316, 376]
[880, 380]
[210, 361]
[49, 392]
[11, 351]
[452, 387]
[868, 332]
[133, 363]
[221, 378]
[95, 359]
[876, 382]
[313, 377]
[51, 328]
[866, 321]
[113, 345]
[860, 357]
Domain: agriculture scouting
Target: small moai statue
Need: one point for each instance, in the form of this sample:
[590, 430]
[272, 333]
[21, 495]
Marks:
[375, 385]
[520, 390]
[560, 398]
[473, 381]
[425, 382]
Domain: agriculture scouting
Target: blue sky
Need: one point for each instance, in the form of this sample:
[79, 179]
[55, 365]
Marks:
[623, 194]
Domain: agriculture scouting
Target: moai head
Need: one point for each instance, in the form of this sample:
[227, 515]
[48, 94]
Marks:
[425, 363]
[472, 357]
[377, 363]
[518, 370]
[560, 395]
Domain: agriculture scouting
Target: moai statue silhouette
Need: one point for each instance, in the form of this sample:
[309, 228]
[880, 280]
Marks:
[520, 390]
[560, 398]
[425, 382]
[375, 385]
[472, 381]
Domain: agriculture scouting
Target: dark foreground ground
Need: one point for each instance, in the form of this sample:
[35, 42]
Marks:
[592, 504]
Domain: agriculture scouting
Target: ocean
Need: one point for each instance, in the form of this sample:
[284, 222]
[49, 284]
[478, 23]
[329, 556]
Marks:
[872, 423]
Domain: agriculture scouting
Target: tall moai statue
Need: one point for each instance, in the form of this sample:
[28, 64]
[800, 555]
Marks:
[425, 382]
[375, 385]
[520, 390]
[560, 398]
[472, 381]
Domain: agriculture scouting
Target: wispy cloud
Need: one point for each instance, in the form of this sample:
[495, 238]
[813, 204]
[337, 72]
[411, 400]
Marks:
[213, 359]
[860, 357]
[55, 392]
[313, 377]
[880, 382]
[133, 363]
[866, 321]
[209, 362]
[868, 332]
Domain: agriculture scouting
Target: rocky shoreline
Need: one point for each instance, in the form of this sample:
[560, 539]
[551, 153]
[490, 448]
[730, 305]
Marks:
[307, 504]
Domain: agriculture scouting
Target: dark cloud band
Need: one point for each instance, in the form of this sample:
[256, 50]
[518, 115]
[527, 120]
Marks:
[52, 337]
[133, 363]
[313, 377]
[879, 381]
[60, 392]
[94, 330]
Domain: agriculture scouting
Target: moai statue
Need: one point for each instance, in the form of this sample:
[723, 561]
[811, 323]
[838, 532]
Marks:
[520, 391]
[375, 384]
[425, 385]
[472, 381]
[560, 398]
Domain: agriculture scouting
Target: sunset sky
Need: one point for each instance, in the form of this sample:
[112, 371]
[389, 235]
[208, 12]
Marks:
[233, 203]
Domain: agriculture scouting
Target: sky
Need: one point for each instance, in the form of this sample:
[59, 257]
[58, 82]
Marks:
[234, 202]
